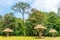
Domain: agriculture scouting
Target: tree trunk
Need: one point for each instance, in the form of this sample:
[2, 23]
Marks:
[23, 18]
[24, 31]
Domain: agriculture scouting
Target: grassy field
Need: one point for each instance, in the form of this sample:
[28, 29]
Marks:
[27, 38]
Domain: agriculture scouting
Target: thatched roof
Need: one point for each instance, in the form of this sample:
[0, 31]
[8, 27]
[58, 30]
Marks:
[39, 27]
[52, 30]
[7, 30]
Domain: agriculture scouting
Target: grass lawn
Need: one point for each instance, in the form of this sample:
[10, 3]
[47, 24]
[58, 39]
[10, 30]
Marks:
[27, 38]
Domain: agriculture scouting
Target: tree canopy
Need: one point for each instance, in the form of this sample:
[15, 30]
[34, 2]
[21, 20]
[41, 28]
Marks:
[22, 27]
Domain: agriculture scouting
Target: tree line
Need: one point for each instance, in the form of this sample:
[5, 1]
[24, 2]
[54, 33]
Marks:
[21, 27]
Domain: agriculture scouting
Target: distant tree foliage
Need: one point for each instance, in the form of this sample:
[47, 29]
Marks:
[22, 27]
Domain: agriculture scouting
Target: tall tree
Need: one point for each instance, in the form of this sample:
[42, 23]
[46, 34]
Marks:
[58, 11]
[35, 18]
[21, 7]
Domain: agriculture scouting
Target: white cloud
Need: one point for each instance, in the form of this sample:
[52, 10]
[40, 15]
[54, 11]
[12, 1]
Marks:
[46, 5]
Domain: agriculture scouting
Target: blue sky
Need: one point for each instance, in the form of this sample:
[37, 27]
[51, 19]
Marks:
[43, 5]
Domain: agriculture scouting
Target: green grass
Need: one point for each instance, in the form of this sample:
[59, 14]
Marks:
[27, 38]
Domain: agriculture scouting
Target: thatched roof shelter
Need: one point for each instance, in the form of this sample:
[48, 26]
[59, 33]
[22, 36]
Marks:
[39, 27]
[52, 31]
[7, 30]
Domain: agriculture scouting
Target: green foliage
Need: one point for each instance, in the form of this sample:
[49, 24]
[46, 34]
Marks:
[35, 18]
[23, 27]
[48, 19]
[10, 21]
[22, 7]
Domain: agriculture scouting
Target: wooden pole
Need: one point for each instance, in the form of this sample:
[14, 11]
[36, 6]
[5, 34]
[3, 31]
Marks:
[40, 34]
[7, 34]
